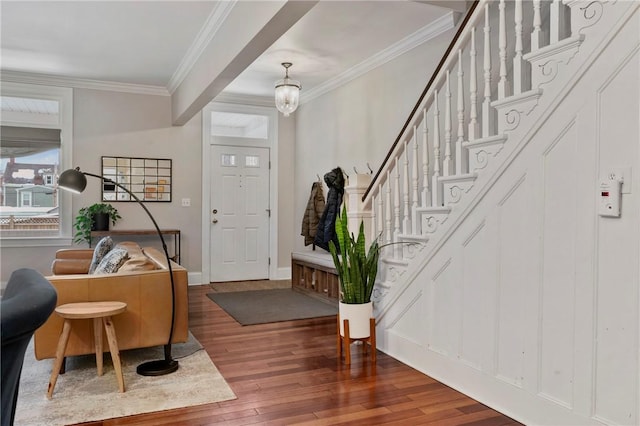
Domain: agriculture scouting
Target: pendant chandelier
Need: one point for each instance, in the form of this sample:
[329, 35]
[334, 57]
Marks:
[287, 92]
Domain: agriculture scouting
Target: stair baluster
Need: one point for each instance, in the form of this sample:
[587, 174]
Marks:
[519, 65]
[460, 151]
[488, 114]
[436, 193]
[556, 22]
[446, 164]
[425, 160]
[396, 209]
[474, 130]
[415, 181]
[406, 223]
[387, 215]
[537, 35]
[373, 233]
[503, 84]
[379, 227]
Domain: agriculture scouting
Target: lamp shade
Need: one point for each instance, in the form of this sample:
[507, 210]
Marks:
[287, 93]
[72, 180]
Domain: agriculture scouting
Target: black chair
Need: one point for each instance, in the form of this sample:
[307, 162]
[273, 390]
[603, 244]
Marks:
[27, 302]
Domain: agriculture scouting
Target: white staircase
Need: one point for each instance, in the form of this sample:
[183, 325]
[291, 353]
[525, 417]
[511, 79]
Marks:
[507, 284]
[433, 170]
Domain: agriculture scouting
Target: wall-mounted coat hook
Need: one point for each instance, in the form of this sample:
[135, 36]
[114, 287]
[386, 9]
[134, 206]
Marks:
[355, 170]
[370, 169]
[344, 173]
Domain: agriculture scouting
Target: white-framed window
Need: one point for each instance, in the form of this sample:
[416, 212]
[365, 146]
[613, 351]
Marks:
[37, 143]
[25, 199]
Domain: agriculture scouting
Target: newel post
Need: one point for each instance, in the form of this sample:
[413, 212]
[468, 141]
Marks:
[356, 210]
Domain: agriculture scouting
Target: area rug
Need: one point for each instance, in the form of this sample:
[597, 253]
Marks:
[264, 306]
[81, 395]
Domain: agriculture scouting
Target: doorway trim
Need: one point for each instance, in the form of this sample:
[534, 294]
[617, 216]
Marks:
[272, 115]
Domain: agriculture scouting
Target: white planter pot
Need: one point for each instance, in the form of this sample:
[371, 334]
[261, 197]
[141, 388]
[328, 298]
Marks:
[358, 316]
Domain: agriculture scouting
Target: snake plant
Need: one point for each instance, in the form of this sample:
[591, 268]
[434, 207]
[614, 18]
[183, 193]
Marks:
[357, 268]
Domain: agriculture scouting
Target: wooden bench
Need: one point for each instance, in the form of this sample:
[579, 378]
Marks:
[313, 271]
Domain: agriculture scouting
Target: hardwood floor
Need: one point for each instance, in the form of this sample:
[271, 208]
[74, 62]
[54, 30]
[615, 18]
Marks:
[288, 373]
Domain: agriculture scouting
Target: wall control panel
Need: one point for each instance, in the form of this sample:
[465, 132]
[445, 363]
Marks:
[610, 195]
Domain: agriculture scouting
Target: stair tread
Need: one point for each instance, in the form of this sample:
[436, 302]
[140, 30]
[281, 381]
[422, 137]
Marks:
[438, 209]
[394, 261]
[414, 237]
[458, 178]
[490, 140]
[515, 99]
[549, 50]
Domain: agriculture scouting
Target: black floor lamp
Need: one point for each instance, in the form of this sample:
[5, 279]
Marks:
[75, 180]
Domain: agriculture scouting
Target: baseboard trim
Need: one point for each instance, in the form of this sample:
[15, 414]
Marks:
[284, 273]
[195, 278]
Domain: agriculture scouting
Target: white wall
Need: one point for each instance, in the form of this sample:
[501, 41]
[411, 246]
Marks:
[286, 188]
[133, 125]
[533, 304]
[124, 124]
[358, 122]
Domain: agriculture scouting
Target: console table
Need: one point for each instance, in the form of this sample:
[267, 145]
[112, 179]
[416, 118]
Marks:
[145, 232]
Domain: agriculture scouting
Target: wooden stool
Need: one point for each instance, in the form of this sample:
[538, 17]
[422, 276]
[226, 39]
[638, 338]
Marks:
[346, 341]
[95, 311]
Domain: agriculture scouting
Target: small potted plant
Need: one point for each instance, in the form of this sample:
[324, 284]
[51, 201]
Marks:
[96, 217]
[357, 268]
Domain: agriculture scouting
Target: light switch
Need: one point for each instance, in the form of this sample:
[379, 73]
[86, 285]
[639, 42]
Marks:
[186, 202]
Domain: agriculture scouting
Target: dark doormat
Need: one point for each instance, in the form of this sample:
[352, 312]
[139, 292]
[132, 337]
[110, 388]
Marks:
[264, 306]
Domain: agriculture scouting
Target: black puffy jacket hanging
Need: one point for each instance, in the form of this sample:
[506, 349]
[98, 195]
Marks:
[327, 225]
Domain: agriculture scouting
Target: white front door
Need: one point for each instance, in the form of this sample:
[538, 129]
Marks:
[239, 225]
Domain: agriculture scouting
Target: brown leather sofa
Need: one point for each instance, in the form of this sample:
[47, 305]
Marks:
[147, 320]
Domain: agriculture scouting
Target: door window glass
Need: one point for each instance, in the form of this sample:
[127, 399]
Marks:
[252, 161]
[228, 160]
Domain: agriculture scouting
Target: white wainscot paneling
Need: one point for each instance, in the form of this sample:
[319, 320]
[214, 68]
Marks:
[558, 277]
[617, 324]
[411, 323]
[517, 241]
[445, 310]
[479, 297]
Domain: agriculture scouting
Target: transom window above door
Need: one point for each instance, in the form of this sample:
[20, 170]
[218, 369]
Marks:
[239, 125]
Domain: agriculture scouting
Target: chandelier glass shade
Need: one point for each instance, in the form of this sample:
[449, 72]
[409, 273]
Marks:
[287, 92]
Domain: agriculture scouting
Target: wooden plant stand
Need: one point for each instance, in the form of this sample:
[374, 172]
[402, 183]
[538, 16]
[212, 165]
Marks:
[346, 341]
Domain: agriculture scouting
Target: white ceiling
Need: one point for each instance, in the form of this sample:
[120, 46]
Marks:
[148, 43]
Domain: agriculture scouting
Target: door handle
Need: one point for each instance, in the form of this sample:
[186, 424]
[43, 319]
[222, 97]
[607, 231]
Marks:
[214, 221]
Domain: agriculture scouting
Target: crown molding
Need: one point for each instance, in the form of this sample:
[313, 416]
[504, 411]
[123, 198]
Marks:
[208, 31]
[81, 83]
[219, 13]
[426, 33]
[237, 98]
[206, 34]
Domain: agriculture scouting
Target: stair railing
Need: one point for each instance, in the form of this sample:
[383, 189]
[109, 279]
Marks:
[412, 115]
[428, 168]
